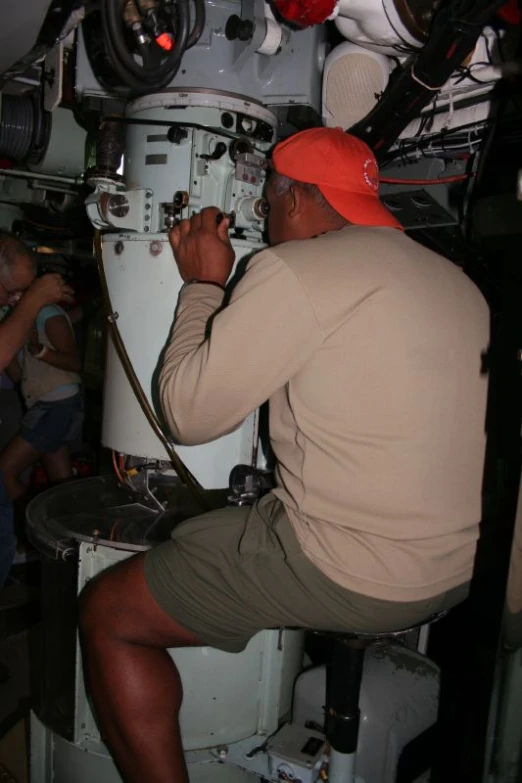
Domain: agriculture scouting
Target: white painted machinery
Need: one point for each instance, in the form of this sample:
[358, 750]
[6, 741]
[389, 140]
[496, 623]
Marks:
[186, 151]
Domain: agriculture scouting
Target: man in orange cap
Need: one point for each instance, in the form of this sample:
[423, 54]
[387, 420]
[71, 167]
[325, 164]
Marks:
[341, 173]
[368, 347]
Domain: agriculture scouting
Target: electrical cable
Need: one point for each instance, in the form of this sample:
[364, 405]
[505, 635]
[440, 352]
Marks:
[140, 78]
[46, 228]
[453, 37]
[440, 181]
[161, 75]
[179, 466]
[448, 143]
[199, 23]
[406, 147]
[116, 468]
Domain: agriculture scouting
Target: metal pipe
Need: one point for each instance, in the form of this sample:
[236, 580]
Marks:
[179, 466]
[37, 175]
[341, 767]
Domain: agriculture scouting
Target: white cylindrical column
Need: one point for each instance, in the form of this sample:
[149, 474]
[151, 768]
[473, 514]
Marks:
[341, 767]
[185, 150]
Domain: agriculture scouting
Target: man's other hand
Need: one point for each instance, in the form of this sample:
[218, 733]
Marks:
[49, 289]
[202, 247]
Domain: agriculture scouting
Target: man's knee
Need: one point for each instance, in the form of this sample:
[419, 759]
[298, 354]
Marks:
[118, 606]
[105, 606]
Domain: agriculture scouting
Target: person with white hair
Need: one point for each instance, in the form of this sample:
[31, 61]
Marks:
[27, 296]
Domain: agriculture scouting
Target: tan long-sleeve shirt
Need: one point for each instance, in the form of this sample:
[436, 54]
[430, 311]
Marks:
[370, 349]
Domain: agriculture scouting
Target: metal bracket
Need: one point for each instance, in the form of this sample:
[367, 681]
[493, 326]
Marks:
[53, 78]
[129, 210]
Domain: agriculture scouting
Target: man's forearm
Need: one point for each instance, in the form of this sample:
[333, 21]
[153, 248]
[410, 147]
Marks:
[15, 330]
[196, 306]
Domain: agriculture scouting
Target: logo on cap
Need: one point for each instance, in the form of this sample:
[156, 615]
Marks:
[371, 173]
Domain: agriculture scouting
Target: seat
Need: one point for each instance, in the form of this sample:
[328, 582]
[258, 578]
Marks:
[342, 696]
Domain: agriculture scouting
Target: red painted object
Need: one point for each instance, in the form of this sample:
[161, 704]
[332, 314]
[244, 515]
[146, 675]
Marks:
[305, 13]
[510, 12]
[165, 41]
[81, 468]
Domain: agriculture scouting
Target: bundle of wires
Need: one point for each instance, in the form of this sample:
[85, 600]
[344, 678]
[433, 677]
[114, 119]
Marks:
[460, 141]
[158, 66]
[449, 143]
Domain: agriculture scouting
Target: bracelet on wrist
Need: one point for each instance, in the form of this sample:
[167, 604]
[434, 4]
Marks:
[194, 280]
[41, 353]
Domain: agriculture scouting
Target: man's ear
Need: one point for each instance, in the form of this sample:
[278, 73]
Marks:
[297, 204]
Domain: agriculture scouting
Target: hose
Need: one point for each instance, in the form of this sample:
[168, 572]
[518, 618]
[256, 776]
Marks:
[199, 23]
[112, 11]
[177, 463]
[17, 127]
[140, 78]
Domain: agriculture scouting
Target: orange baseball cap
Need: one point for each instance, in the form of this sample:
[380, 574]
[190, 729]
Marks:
[344, 169]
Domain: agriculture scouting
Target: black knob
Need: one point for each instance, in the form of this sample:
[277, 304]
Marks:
[240, 29]
[175, 134]
[227, 119]
[239, 147]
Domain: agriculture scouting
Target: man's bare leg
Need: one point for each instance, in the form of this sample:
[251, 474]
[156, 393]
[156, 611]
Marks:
[135, 686]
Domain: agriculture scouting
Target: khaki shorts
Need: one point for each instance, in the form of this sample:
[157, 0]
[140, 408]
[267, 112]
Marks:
[230, 573]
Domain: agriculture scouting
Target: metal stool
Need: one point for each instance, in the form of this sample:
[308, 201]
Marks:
[342, 695]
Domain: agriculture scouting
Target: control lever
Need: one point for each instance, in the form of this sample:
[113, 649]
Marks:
[247, 484]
